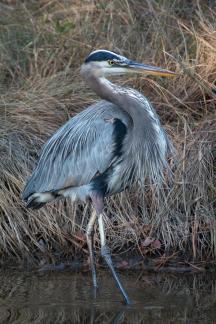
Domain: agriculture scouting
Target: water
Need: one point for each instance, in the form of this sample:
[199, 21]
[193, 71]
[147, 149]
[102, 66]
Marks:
[66, 297]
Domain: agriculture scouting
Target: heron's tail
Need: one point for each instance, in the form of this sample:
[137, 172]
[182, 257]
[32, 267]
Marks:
[39, 199]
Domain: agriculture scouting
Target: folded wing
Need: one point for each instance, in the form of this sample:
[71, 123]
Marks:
[79, 150]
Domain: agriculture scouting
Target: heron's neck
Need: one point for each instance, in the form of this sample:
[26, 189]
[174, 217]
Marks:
[119, 96]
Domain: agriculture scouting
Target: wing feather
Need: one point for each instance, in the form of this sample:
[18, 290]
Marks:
[77, 151]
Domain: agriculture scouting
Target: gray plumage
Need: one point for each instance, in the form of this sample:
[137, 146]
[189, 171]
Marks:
[78, 150]
[85, 147]
[104, 149]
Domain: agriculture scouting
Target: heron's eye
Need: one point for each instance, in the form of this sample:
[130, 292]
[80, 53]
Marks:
[110, 62]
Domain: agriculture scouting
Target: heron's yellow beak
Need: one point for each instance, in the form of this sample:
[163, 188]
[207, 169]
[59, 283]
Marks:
[148, 69]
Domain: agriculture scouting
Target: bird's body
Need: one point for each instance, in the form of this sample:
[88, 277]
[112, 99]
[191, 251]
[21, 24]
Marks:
[104, 149]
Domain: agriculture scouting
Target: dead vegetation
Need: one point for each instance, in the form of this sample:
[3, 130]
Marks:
[42, 46]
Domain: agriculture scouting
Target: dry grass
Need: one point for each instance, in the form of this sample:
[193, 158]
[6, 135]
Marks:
[42, 46]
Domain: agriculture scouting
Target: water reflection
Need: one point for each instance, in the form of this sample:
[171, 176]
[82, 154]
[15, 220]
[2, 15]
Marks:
[65, 297]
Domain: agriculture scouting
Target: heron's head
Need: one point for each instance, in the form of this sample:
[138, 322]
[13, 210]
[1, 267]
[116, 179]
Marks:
[104, 63]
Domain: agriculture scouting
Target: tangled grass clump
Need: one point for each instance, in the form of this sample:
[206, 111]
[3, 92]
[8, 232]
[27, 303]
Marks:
[41, 89]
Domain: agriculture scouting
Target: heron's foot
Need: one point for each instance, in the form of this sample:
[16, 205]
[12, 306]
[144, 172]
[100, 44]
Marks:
[107, 257]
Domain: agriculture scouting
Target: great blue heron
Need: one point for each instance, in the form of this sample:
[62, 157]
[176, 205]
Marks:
[104, 149]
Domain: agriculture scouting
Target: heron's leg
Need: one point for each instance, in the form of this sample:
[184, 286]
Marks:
[90, 242]
[106, 255]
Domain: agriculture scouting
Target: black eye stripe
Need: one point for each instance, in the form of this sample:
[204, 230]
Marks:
[120, 62]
